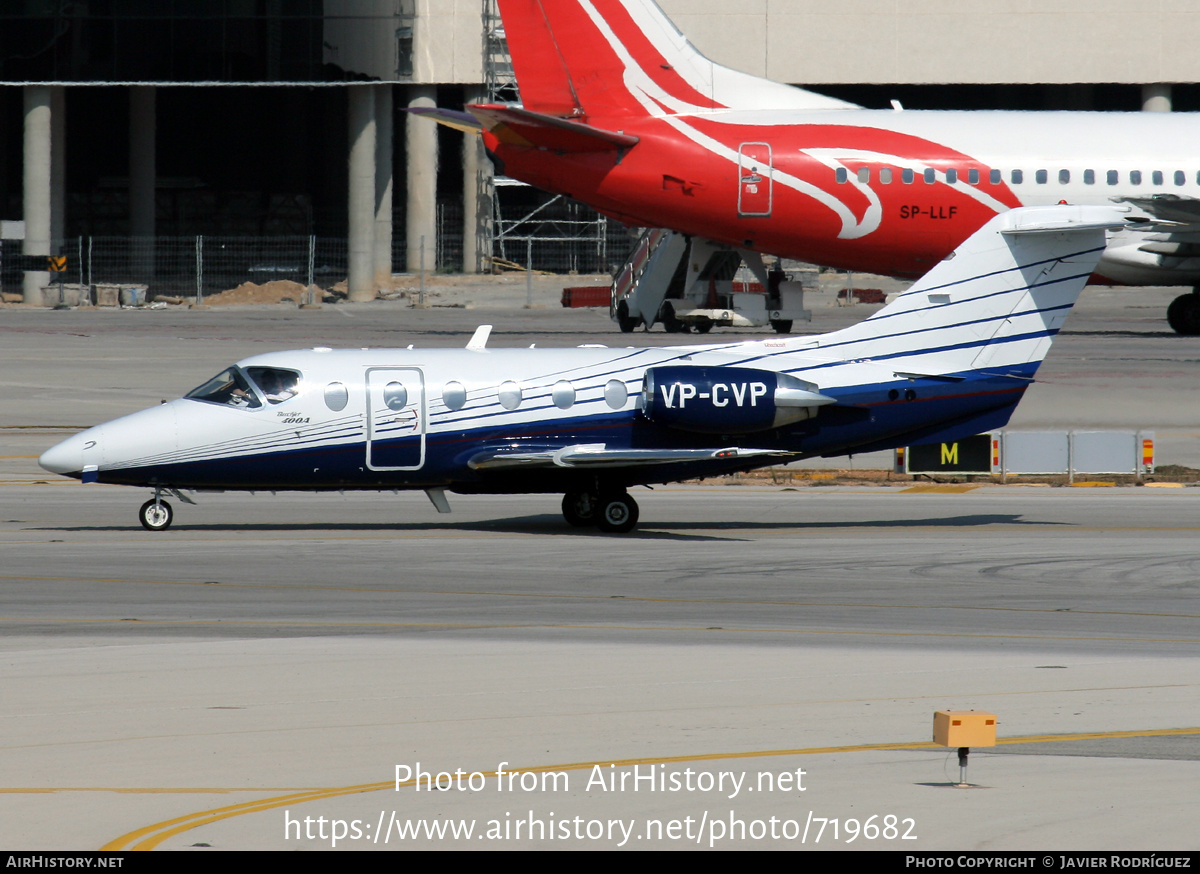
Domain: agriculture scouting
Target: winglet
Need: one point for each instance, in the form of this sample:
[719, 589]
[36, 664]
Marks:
[478, 341]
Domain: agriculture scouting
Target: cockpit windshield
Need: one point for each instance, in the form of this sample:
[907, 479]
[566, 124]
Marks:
[229, 387]
[234, 387]
[276, 384]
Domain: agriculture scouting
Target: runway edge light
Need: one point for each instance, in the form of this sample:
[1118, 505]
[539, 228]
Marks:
[964, 729]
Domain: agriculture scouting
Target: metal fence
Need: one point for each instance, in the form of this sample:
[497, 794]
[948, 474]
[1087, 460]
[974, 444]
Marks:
[551, 234]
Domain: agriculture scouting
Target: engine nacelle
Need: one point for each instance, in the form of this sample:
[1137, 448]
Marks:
[727, 400]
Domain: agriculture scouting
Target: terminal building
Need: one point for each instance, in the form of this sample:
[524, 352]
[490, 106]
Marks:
[164, 120]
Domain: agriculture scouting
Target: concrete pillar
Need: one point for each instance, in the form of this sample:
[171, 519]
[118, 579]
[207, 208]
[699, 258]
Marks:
[142, 160]
[1156, 98]
[383, 185]
[421, 212]
[142, 177]
[477, 199]
[361, 281]
[58, 168]
[36, 187]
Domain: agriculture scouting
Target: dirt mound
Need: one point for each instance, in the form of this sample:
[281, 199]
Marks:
[275, 291]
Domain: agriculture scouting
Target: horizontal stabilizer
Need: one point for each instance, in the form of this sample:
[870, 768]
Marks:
[598, 455]
[520, 127]
[454, 118]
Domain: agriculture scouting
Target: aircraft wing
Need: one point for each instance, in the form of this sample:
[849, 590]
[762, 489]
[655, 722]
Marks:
[521, 127]
[595, 455]
[454, 118]
[1167, 207]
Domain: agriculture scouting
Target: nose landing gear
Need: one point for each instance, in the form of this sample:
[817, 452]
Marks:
[156, 514]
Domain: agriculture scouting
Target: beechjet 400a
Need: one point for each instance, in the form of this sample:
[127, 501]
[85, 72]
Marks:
[949, 358]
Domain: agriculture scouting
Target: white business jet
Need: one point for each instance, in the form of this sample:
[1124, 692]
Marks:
[949, 358]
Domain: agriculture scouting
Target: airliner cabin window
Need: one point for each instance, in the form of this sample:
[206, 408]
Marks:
[840, 175]
[1089, 177]
[1179, 177]
[1113, 177]
[994, 177]
[973, 176]
[930, 176]
[864, 174]
[1041, 176]
[1157, 177]
[1135, 177]
[1064, 176]
[951, 175]
[906, 176]
[885, 175]
[230, 388]
[1018, 177]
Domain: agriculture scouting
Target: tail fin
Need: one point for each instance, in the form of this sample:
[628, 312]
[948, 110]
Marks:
[612, 58]
[995, 304]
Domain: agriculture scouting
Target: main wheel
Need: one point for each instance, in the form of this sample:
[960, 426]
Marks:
[670, 324]
[579, 508]
[702, 326]
[156, 515]
[616, 514]
[626, 322]
[1183, 315]
[782, 326]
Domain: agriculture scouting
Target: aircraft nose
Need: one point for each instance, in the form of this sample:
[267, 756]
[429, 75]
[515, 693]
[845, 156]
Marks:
[66, 458]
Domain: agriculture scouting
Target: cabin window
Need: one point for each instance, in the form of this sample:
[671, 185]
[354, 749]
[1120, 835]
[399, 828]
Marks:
[1089, 177]
[336, 396]
[1017, 177]
[864, 174]
[951, 175]
[276, 384]
[930, 176]
[563, 395]
[395, 396]
[1135, 177]
[1113, 177]
[1064, 177]
[885, 175]
[1156, 178]
[510, 395]
[1179, 177]
[615, 394]
[994, 177]
[230, 388]
[840, 175]
[1040, 177]
[454, 396]
[973, 176]
[906, 176]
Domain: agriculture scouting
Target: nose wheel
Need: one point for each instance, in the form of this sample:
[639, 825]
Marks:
[156, 515]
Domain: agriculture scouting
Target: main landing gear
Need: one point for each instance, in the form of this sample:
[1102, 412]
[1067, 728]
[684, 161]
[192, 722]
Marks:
[1183, 315]
[613, 512]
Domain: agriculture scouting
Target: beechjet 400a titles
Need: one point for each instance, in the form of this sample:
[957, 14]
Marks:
[620, 111]
[949, 358]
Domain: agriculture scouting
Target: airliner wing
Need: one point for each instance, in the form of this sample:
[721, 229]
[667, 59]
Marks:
[595, 455]
[454, 118]
[1167, 207]
[521, 127]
